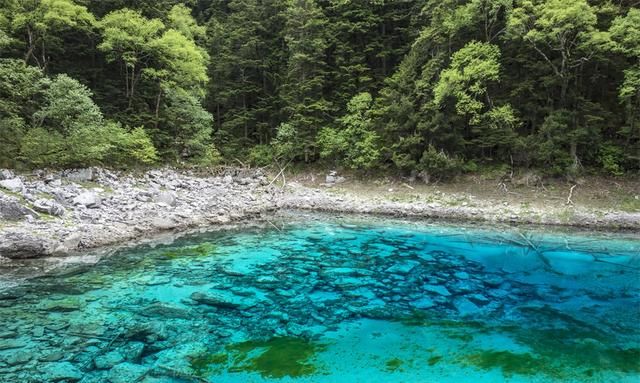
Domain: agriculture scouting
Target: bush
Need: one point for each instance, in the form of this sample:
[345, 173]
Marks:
[438, 164]
[261, 155]
[611, 158]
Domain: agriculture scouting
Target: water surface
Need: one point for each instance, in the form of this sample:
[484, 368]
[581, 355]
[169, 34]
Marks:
[310, 298]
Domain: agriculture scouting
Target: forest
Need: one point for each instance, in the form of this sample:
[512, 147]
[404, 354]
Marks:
[432, 87]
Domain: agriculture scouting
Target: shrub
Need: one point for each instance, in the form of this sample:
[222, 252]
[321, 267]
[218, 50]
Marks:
[436, 163]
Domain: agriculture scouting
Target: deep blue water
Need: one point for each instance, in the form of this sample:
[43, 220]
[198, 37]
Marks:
[311, 298]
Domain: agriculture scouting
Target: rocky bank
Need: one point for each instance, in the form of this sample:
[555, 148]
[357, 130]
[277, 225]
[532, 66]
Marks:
[56, 213]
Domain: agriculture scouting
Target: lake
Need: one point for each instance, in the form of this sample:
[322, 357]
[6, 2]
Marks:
[320, 298]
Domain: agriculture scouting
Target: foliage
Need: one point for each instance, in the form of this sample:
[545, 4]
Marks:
[412, 85]
[354, 143]
[438, 164]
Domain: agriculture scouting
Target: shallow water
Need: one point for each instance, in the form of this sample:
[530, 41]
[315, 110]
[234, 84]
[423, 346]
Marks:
[311, 298]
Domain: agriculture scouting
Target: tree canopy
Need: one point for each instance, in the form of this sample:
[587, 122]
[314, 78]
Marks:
[432, 86]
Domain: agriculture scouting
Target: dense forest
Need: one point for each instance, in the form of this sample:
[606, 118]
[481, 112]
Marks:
[438, 87]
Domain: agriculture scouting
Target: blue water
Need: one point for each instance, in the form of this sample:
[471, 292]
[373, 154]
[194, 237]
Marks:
[312, 298]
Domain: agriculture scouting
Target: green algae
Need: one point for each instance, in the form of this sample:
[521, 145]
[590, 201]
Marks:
[274, 358]
[201, 250]
[393, 365]
[510, 363]
[204, 364]
[434, 360]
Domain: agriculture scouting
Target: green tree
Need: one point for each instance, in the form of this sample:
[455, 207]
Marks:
[302, 93]
[43, 22]
[564, 34]
[353, 143]
[472, 70]
[128, 37]
[625, 31]
[19, 87]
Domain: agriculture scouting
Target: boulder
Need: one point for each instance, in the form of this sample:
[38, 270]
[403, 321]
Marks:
[11, 210]
[163, 223]
[48, 206]
[167, 198]
[13, 185]
[81, 175]
[88, 199]
[6, 174]
[22, 246]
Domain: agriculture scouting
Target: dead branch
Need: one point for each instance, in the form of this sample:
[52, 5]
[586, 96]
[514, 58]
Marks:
[282, 169]
[408, 186]
[569, 200]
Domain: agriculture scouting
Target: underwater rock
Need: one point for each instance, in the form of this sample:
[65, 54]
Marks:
[466, 307]
[61, 371]
[423, 303]
[438, 289]
[19, 357]
[108, 360]
[404, 267]
[127, 373]
[11, 344]
[165, 310]
[224, 299]
[461, 275]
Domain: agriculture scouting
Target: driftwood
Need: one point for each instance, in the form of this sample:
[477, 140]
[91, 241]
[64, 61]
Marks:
[569, 201]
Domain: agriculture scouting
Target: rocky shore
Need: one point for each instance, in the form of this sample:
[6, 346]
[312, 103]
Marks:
[57, 213]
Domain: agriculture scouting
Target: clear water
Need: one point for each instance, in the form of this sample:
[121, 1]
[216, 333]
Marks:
[322, 299]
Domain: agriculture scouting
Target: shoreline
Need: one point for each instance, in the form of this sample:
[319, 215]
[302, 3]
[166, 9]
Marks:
[63, 213]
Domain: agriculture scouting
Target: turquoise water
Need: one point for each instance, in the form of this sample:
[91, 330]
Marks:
[311, 298]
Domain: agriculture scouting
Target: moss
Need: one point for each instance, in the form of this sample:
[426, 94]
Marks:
[204, 364]
[434, 360]
[275, 358]
[201, 250]
[393, 365]
[510, 363]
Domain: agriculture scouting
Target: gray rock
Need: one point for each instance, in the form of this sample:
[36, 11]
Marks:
[88, 199]
[22, 246]
[167, 198]
[163, 223]
[11, 210]
[48, 206]
[72, 241]
[227, 179]
[127, 373]
[61, 371]
[13, 185]
[6, 174]
[108, 360]
[82, 175]
[330, 179]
